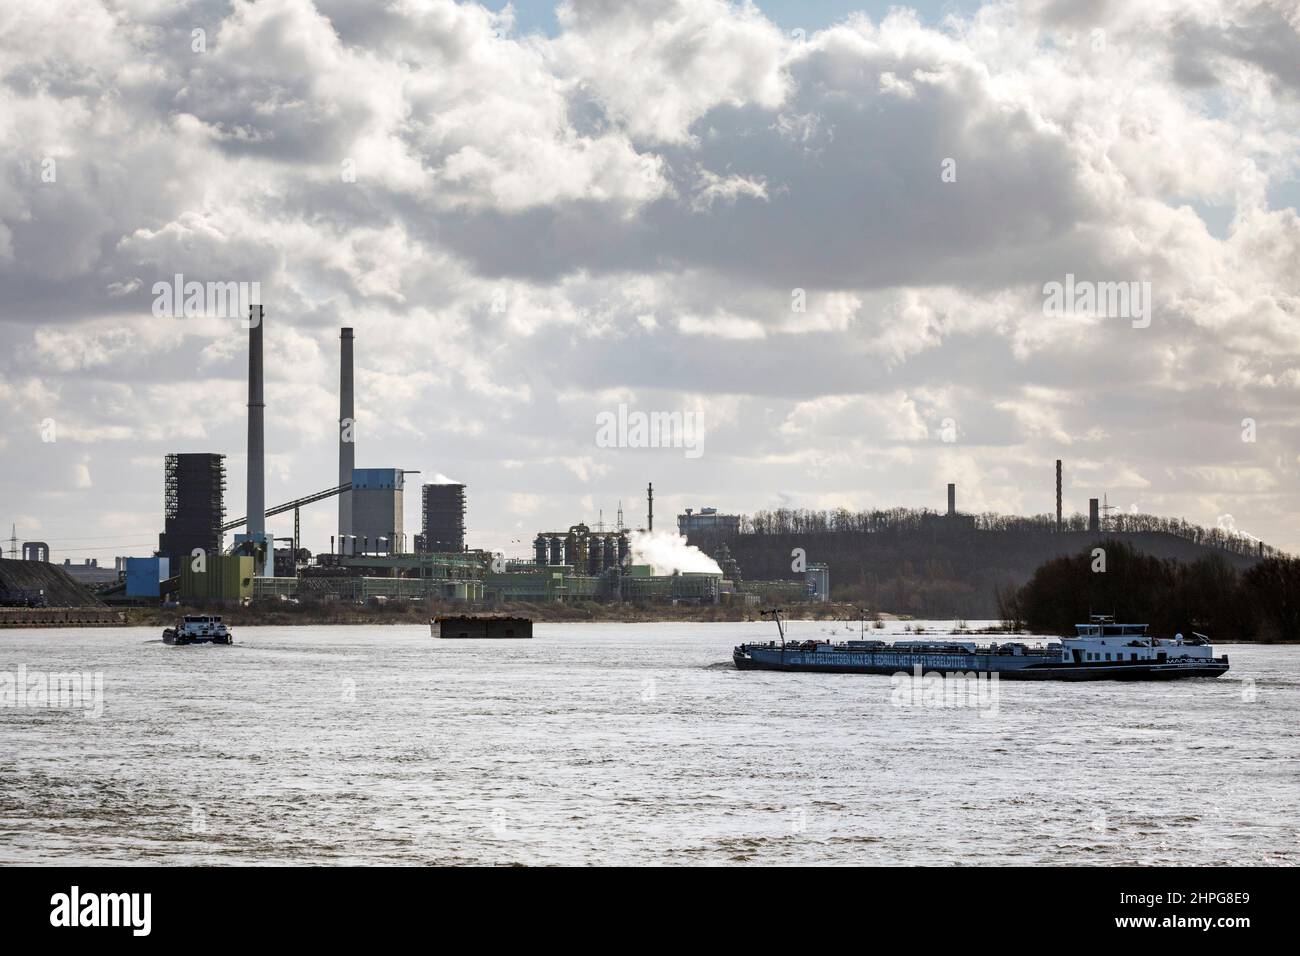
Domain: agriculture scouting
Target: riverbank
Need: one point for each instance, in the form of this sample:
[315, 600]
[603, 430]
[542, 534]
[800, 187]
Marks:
[61, 617]
[264, 614]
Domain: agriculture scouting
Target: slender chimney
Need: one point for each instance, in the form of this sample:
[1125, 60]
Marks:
[952, 498]
[1058, 496]
[347, 436]
[650, 507]
[256, 426]
[1094, 515]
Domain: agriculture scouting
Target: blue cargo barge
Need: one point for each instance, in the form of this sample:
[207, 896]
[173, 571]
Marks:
[1100, 650]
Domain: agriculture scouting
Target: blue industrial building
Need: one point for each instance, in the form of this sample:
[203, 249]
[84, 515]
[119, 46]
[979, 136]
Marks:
[377, 511]
[377, 479]
[143, 575]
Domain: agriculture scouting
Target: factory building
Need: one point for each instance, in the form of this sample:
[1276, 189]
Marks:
[377, 511]
[642, 585]
[442, 521]
[583, 550]
[88, 572]
[777, 592]
[223, 577]
[707, 521]
[405, 577]
[144, 576]
[353, 588]
[194, 492]
[541, 586]
[818, 579]
[730, 566]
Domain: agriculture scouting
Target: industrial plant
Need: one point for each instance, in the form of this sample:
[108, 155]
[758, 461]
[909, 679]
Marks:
[373, 558]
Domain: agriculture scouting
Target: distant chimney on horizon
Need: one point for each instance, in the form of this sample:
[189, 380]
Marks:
[1058, 496]
[952, 498]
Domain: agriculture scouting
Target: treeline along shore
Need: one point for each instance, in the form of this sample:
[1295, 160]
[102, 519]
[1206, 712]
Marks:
[1208, 595]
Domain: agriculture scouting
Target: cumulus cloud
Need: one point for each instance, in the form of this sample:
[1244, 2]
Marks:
[833, 243]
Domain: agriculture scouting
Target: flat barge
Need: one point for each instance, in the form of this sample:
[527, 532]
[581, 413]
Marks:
[481, 627]
[1100, 650]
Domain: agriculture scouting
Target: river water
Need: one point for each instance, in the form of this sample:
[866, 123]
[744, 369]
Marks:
[624, 743]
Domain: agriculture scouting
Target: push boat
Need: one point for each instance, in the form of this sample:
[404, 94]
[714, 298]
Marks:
[1100, 650]
[198, 629]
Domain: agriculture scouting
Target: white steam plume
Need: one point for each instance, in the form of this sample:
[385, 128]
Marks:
[667, 551]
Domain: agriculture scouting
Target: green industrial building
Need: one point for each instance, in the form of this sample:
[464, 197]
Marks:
[225, 577]
[540, 586]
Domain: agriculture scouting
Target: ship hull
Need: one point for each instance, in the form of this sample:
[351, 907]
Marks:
[1011, 667]
[183, 640]
[483, 637]
[481, 627]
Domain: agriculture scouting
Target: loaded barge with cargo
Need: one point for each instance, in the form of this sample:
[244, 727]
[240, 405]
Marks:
[1100, 650]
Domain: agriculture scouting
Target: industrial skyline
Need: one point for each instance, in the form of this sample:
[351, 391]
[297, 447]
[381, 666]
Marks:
[827, 234]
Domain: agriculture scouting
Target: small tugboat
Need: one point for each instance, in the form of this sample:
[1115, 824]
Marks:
[198, 629]
[481, 626]
[1100, 650]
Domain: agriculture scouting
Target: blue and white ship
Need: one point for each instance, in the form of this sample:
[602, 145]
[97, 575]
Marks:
[1100, 650]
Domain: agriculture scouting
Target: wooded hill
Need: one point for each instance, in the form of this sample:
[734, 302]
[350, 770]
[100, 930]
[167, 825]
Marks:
[930, 565]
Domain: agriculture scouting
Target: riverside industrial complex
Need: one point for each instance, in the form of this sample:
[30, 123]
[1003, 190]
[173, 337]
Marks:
[909, 562]
[373, 557]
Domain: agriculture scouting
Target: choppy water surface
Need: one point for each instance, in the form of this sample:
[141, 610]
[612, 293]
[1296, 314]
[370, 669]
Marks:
[620, 743]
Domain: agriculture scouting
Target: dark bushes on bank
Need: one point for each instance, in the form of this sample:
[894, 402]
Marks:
[1206, 595]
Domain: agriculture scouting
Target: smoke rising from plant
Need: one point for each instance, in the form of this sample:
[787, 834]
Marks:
[667, 551]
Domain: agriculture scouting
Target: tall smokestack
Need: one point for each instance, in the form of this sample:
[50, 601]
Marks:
[952, 498]
[1058, 496]
[256, 426]
[650, 507]
[347, 436]
[1094, 515]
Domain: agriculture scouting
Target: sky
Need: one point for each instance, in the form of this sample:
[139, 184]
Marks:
[823, 229]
